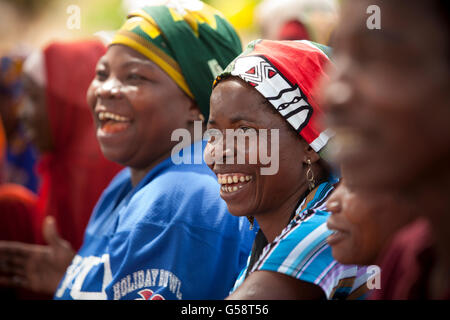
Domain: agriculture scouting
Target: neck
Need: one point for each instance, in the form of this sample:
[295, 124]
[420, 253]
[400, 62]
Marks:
[273, 222]
[138, 173]
[431, 196]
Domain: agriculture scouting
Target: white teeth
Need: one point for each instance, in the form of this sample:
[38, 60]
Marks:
[230, 189]
[223, 180]
[227, 182]
[111, 116]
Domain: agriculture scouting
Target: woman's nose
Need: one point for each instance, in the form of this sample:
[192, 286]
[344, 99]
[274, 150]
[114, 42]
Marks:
[338, 91]
[217, 151]
[334, 206]
[109, 89]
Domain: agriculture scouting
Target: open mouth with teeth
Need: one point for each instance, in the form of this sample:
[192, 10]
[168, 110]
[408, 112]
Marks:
[112, 123]
[233, 182]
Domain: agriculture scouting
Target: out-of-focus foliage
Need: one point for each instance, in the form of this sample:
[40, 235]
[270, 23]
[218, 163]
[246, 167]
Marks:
[36, 22]
[101, 14]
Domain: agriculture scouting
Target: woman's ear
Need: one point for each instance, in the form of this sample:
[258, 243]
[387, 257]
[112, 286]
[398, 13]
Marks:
[310, 154]
[195, 113]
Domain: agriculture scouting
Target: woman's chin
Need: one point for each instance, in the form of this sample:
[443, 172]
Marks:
[240, 210]
[114, 155]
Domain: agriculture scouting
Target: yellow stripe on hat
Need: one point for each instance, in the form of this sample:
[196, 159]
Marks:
[155, 54]
[206, 15]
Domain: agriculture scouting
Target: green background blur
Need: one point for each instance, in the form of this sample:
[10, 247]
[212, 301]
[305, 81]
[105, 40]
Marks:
[33, 23]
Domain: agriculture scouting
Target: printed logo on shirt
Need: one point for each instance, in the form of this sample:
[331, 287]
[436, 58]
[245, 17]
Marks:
[77, 273]
[141, 280]
[147, 294]
[133, 286]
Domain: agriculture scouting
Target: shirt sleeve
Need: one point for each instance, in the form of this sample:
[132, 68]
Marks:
[300, 251]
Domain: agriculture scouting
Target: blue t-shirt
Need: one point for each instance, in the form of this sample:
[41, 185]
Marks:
[170, 237]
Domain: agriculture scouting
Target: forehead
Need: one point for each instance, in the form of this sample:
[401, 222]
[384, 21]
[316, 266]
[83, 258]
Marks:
[234, 95]
[125, 56]
[233, 99]
[409, 26]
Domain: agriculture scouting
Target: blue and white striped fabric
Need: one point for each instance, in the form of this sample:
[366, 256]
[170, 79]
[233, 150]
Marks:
[301, 251]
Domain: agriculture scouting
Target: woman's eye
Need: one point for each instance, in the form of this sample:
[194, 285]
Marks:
[135, 76]
[244, 129]
[213, 135]
[101, 74]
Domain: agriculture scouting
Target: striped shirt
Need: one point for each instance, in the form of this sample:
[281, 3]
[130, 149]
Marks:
[301, 251]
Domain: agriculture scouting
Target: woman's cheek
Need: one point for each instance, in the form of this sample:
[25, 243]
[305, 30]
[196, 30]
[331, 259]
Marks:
[208, 155]
[90, 95]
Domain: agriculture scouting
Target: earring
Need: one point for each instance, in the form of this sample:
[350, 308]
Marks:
[201, 117]
[251, 219]
[310, 176]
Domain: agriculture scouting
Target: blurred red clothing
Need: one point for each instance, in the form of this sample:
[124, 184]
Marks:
[407, 263]
[74, 174]
[17, 213]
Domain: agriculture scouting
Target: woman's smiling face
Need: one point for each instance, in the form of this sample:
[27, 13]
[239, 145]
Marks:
[136, 107]
[388, 97]
[363, 223]
[236, 105]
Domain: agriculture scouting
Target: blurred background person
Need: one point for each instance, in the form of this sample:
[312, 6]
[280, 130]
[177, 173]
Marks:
[388, 102]
[58, 121]
[73, 171]
[297, 19]
[19, 155]
[19, 181]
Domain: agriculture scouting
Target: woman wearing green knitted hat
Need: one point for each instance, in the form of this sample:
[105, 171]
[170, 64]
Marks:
[160, 230]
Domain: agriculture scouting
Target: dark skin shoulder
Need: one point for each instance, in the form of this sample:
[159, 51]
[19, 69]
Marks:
[269, 285]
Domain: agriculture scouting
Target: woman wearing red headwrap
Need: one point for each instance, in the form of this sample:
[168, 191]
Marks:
[272, 87]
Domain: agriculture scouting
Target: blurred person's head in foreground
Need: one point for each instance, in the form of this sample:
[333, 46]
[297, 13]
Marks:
[389, 104]
[388, 99]
[297, 19]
